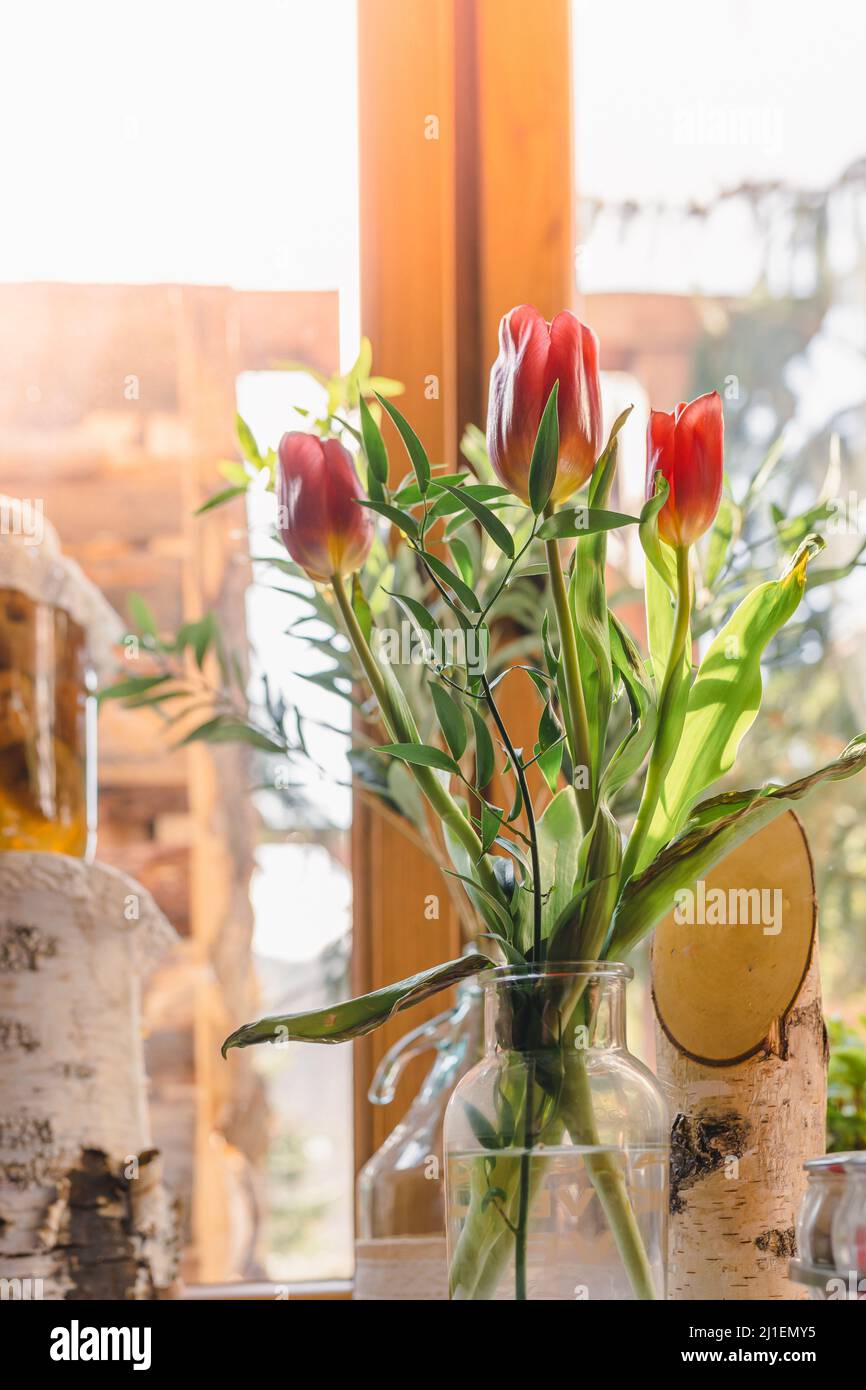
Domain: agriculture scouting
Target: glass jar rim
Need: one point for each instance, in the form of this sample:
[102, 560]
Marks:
[546, 970]
[827, 1165]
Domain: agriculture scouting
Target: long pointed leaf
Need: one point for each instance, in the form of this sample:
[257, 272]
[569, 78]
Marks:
[717, 827]
[355, 1017]
[725, 699]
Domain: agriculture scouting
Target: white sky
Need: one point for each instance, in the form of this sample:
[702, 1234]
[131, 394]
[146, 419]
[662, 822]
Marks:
[206, 141]
[773, 88]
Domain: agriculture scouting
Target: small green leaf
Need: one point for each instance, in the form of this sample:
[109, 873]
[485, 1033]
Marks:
[498, 533]
[502, 920]
[225, 729]
[491, 819]
[420, 617]
[420, 755]
[402, 520]
[451, 720]
[550, 763]
[583, 521]
[141, 614]
[516, 805]
[414, 448]
[374, 445]
[447, 576]
[488, 1136]
[545, 455]
[462, 557]
[219, 498]
[448, 505]
[484, 755]
[248, 446]
[133, 685]
[361, 608]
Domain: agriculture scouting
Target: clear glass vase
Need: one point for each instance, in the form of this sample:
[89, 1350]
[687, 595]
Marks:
[400, 1249]
[557, 1146]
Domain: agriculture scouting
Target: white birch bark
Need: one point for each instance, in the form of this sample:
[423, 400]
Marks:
[82, 1205]
[743, 1129]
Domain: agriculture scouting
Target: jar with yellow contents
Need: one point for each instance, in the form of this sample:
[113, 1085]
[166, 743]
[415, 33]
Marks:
[53, 627]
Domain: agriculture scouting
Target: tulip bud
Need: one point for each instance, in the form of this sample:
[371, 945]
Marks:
[322, 525]
[533, 355]
[687, 446]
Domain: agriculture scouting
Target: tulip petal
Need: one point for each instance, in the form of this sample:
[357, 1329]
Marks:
[573, 362]
[699, 465]
[687, 446]
[322, 526]
[516, 396]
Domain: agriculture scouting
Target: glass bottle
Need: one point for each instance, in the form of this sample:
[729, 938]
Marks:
[824, 1191]
[557, 1146]
[849, 1223]
[400, 1250]
[47, 719]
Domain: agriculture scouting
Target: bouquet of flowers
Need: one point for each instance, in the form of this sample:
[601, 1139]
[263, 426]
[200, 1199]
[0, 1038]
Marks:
[555, 878]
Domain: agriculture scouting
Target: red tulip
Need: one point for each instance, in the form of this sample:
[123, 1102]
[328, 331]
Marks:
[533, 354]
[322, 525]
[687, 446]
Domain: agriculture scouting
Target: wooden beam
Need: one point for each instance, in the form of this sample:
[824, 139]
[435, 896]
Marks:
[406, 98]
[466, 210]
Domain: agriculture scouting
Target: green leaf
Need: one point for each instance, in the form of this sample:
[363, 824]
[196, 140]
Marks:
[234, 472]
[451, 720]
[141, 614]
[725, 698]
[226, 729]
[219, 498]
[484, 755]
[448, 505]
[462, 557]
[420, 617]
[545, 455]
[715, 828]
[361, 608]
[491, 819]
[414, 448]
[420, 755]
[374, 445]
[581, 520]
[248, 446]
[588, 597]
[503, 922]
[132, 685]
[447, 576]
[356, 1017]
[559, 840]
[550, 764]
[498, 533]
[489, 1136]
[567, 925]
[627, 759]
[409, 494]
[402, 520]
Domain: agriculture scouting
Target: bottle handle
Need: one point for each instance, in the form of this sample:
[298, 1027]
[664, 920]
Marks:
[427, 1035]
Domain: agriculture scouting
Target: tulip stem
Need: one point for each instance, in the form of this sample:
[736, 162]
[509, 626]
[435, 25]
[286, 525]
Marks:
[668, 730]
[401, 728]
[578, 731]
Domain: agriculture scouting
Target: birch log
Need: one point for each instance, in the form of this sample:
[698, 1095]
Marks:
[741, 1055]
[83, 1211]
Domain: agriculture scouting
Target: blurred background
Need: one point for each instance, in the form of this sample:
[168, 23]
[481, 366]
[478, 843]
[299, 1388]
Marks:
[204, 202]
